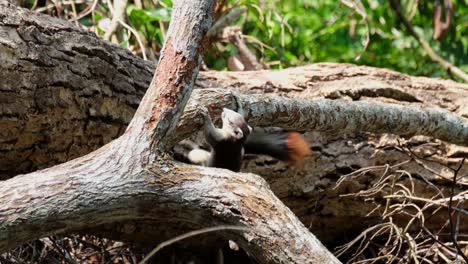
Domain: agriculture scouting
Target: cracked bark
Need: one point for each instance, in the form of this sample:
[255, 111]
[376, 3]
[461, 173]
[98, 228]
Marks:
[65, 93]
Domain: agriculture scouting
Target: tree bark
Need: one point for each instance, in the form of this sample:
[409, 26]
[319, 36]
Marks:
[131, 179]
[86, 193]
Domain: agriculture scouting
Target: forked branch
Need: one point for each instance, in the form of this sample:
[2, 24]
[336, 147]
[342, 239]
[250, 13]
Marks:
[130, 178]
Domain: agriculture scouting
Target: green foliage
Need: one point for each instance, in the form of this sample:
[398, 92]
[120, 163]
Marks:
[307, 31]
[286, 33]
[146, 22]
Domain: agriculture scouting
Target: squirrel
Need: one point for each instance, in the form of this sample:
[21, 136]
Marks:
[227, 142]
[235, 138]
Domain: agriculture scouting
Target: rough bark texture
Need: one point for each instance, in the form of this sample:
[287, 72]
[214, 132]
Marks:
[64, 93]
[131, 179]
[86, 193]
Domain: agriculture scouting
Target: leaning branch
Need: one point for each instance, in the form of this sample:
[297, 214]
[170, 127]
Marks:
[327, 115]
[350, 117]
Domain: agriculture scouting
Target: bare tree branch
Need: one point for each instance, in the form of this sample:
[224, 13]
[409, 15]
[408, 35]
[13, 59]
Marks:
[442, 27]
[334, 115]
[118, 14]
[233, 34]
[225, 21]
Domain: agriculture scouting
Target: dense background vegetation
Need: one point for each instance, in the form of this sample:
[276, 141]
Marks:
[286, 33]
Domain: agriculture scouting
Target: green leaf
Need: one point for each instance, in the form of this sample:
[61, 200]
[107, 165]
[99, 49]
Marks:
[140, 17]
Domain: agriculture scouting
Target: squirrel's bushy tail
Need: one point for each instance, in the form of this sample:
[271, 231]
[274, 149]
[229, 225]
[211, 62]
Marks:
[285, 146]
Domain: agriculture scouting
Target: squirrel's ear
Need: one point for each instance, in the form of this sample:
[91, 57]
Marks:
[238, 133]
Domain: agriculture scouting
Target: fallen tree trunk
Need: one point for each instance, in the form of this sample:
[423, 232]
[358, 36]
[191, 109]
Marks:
[65, 93]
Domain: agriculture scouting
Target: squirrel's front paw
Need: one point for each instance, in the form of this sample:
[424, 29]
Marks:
[204, 112]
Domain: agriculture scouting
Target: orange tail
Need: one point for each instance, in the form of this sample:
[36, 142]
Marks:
[298, 147]
[289, 146]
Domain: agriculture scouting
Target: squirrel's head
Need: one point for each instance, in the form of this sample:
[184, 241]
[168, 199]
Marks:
[235, 123]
